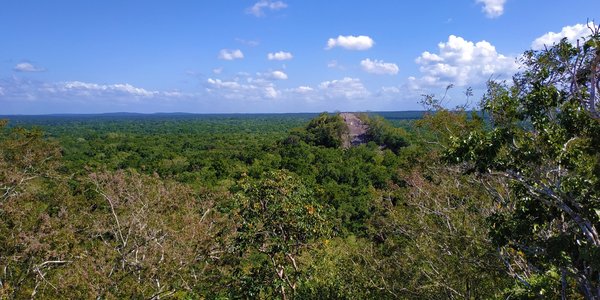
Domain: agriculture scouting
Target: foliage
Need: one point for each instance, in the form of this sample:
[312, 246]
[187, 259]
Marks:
[427, 236]
[279, 218]
[541, 161]
[384, 134]
[24, 156]
[159, 206]
[113, 235]
[325, 130]
[441, 226]
[33, 237]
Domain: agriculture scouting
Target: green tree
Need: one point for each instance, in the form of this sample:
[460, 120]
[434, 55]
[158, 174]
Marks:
[279, 218]
[34, 236]
[326, 130]
[426, 232]
[540, 159]
[384, 134]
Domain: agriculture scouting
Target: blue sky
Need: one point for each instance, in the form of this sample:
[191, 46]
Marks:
[265, 55]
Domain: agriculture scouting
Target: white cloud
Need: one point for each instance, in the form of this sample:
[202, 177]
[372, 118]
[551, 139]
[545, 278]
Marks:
[174, 94]
[389, 90]
[241, 93]
[229, 54]
[463, 63]
[26, 96]
[217, 71]
[252, 89]
[271, 92]
[303, 89]
[27, 67]
[279, 75]
[281, 55]
[123, 89]
[572, 33]
[492, 8]
[15, 89]
[350, 42]
[379, 67]
[218, 83]
[271, 75]
[304, 93]
[259, 7]
[349, 88]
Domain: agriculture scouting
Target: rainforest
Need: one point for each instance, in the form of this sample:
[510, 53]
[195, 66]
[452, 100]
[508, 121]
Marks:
[498, 199]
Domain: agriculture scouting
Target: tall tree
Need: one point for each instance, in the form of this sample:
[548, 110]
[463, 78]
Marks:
[540, 158]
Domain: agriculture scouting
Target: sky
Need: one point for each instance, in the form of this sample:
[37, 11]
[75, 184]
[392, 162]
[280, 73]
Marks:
[264, 56]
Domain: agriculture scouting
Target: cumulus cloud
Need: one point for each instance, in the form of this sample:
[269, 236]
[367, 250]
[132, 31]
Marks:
[88, 89]
[258, 9]
[231, 54]
[492, 8]
[572, 33]
[350, 42]
[272, 75]
[349, 88]
[462, 63]
[260, 87]
[218, 83]
[341, 91]
[281, 55]
[242, 93]
[304, 93]
[18, 89]
[303, 89]
[279, 75]
[252, 89]
[379, 67]
[27, 96]
[27, 67]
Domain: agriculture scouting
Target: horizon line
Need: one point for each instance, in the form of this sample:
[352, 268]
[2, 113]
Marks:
[206, 113]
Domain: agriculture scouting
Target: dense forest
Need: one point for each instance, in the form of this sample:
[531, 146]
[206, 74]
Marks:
[499, 203]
